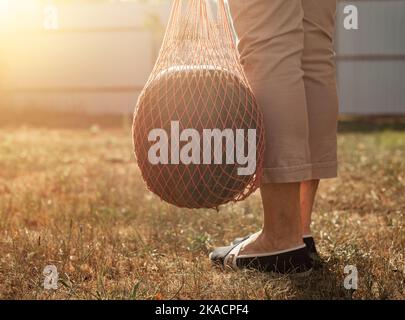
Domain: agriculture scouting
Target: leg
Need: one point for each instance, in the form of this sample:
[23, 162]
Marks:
[279, 247]
[308, 191]
[271, 42]
[322, 102]
[307, 197]
[291, 161]
[281, 223]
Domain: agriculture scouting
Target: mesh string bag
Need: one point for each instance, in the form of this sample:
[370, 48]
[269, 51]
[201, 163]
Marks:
[198, 82]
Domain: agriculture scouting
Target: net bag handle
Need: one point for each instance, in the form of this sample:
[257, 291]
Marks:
[190, 21]
[199, 17]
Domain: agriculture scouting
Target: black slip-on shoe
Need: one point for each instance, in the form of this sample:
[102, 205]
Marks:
[313, 253]
[308, 240]
[294, 261]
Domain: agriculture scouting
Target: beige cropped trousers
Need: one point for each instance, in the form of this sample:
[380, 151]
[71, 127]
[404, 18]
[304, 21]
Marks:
[286, 49]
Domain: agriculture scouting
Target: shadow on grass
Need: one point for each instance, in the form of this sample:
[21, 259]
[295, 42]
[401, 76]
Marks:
[324, 283]
[327, 282]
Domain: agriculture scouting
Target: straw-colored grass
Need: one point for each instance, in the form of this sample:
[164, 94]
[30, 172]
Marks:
[75, 199]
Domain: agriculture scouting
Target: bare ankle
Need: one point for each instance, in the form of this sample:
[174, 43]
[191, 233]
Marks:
[279, 242]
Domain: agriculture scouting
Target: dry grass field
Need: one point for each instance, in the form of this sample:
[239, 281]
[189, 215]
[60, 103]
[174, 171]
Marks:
[74, 198]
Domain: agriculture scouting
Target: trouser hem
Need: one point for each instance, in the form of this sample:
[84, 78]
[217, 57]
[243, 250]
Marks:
[316, 171]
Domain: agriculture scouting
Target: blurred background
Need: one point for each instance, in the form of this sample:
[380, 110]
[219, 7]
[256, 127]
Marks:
[94, 56]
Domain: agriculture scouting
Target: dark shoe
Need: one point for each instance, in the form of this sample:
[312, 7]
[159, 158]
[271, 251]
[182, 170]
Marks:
[295, 261]
[308, 240]
[313, 253]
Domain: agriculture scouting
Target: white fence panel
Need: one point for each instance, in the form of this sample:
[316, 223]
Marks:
[97, 60]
